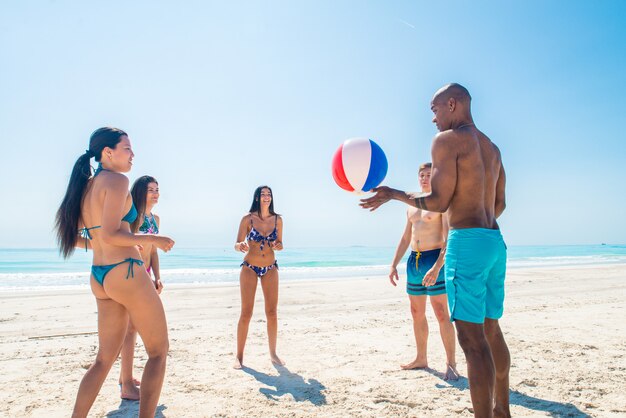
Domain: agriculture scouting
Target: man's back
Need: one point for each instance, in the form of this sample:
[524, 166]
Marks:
[478, 166]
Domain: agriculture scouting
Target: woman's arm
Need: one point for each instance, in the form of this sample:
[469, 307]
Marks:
[278, 244]
[154, 256]
[154, 266]
[241, 244]
[112, 213]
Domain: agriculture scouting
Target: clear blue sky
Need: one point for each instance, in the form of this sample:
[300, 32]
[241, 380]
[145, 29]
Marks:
[219, 97]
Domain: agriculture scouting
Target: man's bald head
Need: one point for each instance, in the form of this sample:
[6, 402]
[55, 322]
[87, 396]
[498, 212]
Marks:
[453, 91]
[451, 107]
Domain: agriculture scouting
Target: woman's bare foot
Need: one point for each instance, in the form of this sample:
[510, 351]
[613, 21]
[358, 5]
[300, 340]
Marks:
[238, 363]
[451, 373]
[415, 364]
[276, 360]
[136, 381]
[129, 391]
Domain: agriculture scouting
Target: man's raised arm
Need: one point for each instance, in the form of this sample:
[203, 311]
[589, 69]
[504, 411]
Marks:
[443, 181]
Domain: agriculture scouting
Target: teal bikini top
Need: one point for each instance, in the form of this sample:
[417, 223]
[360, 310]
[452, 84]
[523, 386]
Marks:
[129, 217]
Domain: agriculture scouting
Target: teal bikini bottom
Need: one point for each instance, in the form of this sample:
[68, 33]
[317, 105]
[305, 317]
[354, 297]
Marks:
[99, 272]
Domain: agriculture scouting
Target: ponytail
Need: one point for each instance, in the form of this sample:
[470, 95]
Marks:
[69, 212]
[68, 215]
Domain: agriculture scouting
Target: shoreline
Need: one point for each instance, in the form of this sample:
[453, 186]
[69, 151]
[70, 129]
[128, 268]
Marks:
[52, 289]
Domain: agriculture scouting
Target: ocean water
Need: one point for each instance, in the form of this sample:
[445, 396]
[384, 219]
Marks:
[40, 269]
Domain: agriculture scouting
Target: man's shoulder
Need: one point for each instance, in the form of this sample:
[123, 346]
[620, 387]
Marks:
[496, 149]
[445, 137]
[446, 141]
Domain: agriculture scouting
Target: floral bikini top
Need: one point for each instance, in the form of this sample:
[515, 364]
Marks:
[149, 225]
[256, 236]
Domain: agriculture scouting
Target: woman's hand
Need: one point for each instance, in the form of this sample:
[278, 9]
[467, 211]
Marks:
[159, 286]
[277, 245]
[163, 243]
[242, 246]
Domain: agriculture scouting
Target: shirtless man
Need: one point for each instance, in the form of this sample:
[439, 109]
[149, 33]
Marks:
[468, 182]
[426, 232]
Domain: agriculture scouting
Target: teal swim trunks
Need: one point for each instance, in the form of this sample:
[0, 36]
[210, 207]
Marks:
[475, 270]
[417, 266]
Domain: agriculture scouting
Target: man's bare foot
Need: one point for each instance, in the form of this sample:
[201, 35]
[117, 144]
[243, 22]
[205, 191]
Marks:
[451, 373]
[501, 412]
[238, 364]
[130, 392]
[276, 360]
[415, 364]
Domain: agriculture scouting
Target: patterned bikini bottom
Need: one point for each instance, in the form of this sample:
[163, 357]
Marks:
[260, 271]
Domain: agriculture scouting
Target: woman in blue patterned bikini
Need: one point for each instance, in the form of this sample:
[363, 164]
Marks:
[145, 194]
[94, 206]
[260, 234]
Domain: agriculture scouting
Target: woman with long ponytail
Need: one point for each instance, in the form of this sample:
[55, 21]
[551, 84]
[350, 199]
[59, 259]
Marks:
[97, 210]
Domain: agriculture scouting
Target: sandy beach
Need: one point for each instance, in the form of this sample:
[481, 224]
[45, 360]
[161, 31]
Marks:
[343, 341]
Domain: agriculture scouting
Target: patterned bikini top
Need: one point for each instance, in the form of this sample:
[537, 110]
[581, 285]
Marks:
[256, 236]
[149, 225]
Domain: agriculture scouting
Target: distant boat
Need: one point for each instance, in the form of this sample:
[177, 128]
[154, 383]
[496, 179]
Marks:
[603, 243]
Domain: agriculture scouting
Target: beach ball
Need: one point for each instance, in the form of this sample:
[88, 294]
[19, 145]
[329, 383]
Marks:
[359, 165]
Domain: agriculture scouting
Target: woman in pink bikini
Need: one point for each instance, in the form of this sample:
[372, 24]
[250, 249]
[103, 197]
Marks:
[145, 193]
[260, 234]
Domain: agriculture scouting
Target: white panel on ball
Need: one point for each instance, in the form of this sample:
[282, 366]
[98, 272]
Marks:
[356, 157]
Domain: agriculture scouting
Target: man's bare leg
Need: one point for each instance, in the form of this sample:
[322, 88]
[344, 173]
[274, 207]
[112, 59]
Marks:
[420, 330]
[480, 367]
[502, 360]
[446, 329]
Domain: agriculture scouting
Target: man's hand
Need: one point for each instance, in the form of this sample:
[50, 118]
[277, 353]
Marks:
[382, 196]
[393, 276]
[430, 278]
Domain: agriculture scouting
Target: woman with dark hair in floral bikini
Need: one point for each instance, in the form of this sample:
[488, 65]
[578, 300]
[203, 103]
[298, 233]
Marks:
[260, 234]
[145, 194]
